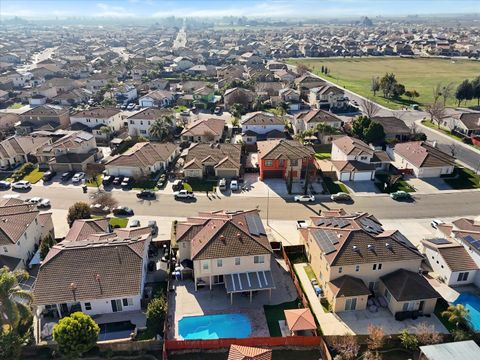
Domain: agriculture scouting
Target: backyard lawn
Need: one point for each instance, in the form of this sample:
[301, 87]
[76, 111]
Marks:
[355, 74]
[34, 177]
[118, 222]
[274, 313]
[464, 179]
[334, 187]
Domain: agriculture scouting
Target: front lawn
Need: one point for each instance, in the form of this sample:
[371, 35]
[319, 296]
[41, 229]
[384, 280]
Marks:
[202, 185]
[431, 125]
[15, 106]
[34, 177]
[274, 313]
[400, 185]
[179, 109]
[94, 183]
[118, 222]
[323, 155]
[334, 187]
[463, 179]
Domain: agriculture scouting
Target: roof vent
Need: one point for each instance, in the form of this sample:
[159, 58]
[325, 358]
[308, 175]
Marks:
[222, 237]
[370, 247]
[239, 235]
[355, 248]
[212, 145]
[339, 235]
[388, 245]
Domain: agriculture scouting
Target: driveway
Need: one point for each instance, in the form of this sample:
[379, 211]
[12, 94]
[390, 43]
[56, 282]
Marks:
[362, 187]
[428, 186]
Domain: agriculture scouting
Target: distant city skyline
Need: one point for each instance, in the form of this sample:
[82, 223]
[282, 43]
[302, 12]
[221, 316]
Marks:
[221, 8]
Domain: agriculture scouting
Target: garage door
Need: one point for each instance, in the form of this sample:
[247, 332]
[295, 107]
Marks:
[362, 176]
[344, 176]
[146, 103]
[226, 173]
[273, 174]
[430, 172]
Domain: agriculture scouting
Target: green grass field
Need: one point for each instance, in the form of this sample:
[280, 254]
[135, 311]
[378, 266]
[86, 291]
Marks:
[419, 74]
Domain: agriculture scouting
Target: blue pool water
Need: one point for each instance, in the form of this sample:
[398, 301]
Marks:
[214, 326]
[472, 303]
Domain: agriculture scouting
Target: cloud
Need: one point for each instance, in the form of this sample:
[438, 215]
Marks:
[113, 11]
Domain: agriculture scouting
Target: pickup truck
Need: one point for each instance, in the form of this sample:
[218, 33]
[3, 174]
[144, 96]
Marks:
[183, 194]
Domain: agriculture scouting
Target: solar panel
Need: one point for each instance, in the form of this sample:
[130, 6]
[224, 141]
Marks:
[259, 224]
[325, 240]
[371, 226]
[252, 225]
[439, 241]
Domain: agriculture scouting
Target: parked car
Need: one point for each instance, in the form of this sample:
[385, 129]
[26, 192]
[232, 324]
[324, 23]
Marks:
[316, 287]
[78, 177]
[162, 181]
[67, 176]
[400, 195]
[341, 196]
[183, 194]
[48, 175]
[45, 203]
[99, 209]
[123, 211]
[146, 194]
[131, 106]
[234, 185]
[34, 200]
[177, 185]
[134, 223]
[218, 110]
[4, 185]
[304, 198]
[185, 113]
[107, 180]
[21, 185]
[153, 226]
[222, 184]
[118, 180]
[435, 222]
[126, 183]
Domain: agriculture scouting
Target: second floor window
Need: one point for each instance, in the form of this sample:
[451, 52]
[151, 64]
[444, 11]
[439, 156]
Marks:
[357, 267]
[237, 261]
[268, 162]
[205, 265]
[340, 269]
[219, 263]
[258, 259]
[294, 162]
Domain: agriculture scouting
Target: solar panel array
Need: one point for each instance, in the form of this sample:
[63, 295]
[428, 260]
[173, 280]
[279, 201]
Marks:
[325, 239]
[333, 222]
[472, 242]
[370, 226]
[398, 236]
[439, 241]
[255, 225]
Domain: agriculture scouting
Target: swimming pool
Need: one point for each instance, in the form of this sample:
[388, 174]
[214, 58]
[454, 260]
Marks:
[214, 326]
[472, 303]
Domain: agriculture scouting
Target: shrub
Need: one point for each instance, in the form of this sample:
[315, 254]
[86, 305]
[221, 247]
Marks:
[79, 210]
[24, 170]
[409, 341]
[156, 312]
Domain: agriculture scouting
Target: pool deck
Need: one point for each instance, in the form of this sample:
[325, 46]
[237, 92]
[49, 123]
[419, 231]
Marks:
[186, 302]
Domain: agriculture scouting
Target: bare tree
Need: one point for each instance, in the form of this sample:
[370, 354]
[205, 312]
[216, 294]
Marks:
[437, 92]
[447, 92]
[376, 337]
[208, 136]
[427, 335]
[347, 346]
[369, 108]
[105, 200]
[302, 69]
[437, 112]
[375, 85]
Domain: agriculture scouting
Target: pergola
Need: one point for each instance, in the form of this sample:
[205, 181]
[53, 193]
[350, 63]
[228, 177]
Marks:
[249, 282]
[300, 319]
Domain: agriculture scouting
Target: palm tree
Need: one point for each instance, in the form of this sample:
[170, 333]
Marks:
[15, 302]
[456, 314]
[162, 128]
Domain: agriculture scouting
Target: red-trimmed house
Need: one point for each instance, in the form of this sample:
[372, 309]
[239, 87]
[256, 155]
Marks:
[277, 158]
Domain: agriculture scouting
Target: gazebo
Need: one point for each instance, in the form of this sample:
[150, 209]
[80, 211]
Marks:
[300, 320]
[238, 352]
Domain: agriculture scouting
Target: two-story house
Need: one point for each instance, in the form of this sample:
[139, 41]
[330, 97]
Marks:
[261, 125]
[354, 258]
[15, 150]
[284, 159]
[327, 97]
[290, 97]
[44, 117]
[206, 130]
[22, 227]
[139, 123]
[227, 248]
[306, 82]
[354, 160]
[96, 118]
[311, 119]
[157, 98]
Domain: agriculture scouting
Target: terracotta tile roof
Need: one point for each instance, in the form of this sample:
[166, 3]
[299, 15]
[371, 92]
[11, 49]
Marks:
[262, 118]
[471, 120]
[318, 116]
[204, 127]
[100, 112]
[352, 165]
[21, 145]
[420, 154]
[238, 352]
[82, 229]
[100, 269]
[457, 258]
[406, 285]
[14, 220]
[283, 149]
[151, 113]
[214, 153]
[347, 285]
[300, 319]
[144, 154]
[352, 146]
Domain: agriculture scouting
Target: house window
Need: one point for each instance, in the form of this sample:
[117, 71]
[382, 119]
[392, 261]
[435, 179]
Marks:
[357, 268]
[259, 259]
[141, 122]
[219, 263]
[237, 261]
[351, 304]
[143, 131]
[268, 162]
[88, 120]
[408, 306]
[88, 306]
[374, 266]
[294, 162]
[379, 266]
[363, 158]
[205, 265]
[5, 249]
[127, 302]
[340, 269]
[463, 276]
[131, 122]
[388, 296]
[281, 162]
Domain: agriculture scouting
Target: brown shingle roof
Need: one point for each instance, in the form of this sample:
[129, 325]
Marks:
[238, 352]
[318, 116]
[283, 149]
[82, 229]
[100, 269]
[151, 113]
[406, 285]
[14, 220]
[420, 154]
[347, 285]
[204, 127]
[457, 258]
[144, 154]
[100, 112]
[202, 152]
[392, 125]
[262, 118]
[352, 146]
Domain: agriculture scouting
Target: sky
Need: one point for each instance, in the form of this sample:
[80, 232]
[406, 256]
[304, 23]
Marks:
[219, 8]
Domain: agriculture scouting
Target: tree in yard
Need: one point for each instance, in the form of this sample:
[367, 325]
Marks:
[156, 312]
[369, 108]
[10, 344]
[235, 122]
[437, 112]
[387, 85]
[162, 128]
[460, 335]
[322, 69]
[105, 200]
[374, 133]
[426, 335]
[372, 355]
[398, 90]
[436, 92]
[302, 69]
[208, 136]
[93, 172]
[359, 125]
[411, 94]
[409, 341]
[79, 210]
[464, 91]
[45, 245]
[106, 130]
[447, 92]
[476, 89]
[236, 110]
[75, 334]
[347, 346]
[376, 337]
[257, 104]
[375, 85]
[457, 315]
[15, 311]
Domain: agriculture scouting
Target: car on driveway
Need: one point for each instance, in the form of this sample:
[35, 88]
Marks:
[146, 194]
[107, 180]
[67, 176]
[99, 209]
[21, 185]
[123, 211]
[127, 183]
[45, 203]
[304, 198]
[134, 223]
[218, 110]
[34, 200]
[183, 194]
[78, 177]
[131, 106]
[118, 180]
[341, 196]
[400, 195]
[48, 175]
[4, 185]
[234, 185]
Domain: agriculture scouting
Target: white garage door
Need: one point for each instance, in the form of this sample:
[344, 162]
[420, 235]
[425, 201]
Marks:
[344, 176]
[430, 172]
[362, 176]
[146, 103]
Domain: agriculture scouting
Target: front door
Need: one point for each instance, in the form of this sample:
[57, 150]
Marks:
[422, 304]
[116, 305]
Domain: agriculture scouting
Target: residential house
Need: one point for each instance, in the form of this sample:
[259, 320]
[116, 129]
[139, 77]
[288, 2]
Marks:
[460, 350]
[285, 75]
[311, 119]
[206, 130]
[3, 96]
[393, 127]
[214, 159]
[157, 98]
[261, 125]
[306, 82]
[354, 160]
[327, 97]
[44, 117]
[22, 227]
[181, 63]
[139, 123]
[96, 118]
[423, 159]
[450, 261]
[465, 123]
[98, 81]
[142, 159]
[353, 258]
[16, 150]
[284, 159]
[8, 121]
[240, 96]
[227, 248]
[73, 97]
[290, 97]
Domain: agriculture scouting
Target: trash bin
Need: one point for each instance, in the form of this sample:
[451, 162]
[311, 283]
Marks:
[84, 188]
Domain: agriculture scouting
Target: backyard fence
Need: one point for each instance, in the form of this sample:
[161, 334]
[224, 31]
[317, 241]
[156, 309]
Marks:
[298, 287]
